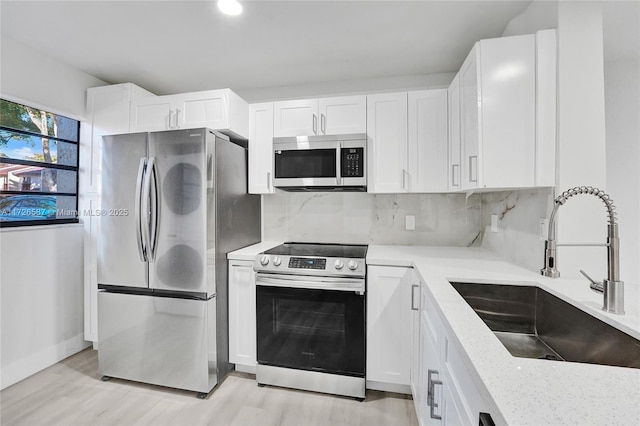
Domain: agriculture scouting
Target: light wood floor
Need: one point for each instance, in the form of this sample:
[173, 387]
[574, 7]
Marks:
[71, 393]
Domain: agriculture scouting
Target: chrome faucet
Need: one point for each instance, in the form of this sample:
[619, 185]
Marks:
[612, 288]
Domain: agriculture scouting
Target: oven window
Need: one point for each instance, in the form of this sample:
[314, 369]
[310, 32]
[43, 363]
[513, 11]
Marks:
[316, 330]
[305, 163]
[300, 317]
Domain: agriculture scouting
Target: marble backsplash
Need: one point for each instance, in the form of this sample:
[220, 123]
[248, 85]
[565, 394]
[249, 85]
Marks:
[519, 212]
[362, 218]
[440, 220]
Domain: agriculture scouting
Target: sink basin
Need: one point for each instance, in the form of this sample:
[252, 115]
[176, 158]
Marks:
[533, 323]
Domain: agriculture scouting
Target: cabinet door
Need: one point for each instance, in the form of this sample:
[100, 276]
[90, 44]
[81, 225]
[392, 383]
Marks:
[387, 143]
[389, 324]
[107, 114]
[242, 313]
[261, 148]
[454, 155]
[427, 141]
[347, 114]
[429, 413]
[469, 121]
[415, 371]
[201, 109]
[152, 114]
[507, 68]
[295, 118]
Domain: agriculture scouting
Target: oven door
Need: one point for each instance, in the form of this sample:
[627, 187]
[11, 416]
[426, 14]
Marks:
[301, 164]
[311, 329]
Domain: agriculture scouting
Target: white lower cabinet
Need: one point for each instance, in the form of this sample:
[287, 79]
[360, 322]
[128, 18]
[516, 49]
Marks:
[242, 315]
[450, 396]
[389, 327]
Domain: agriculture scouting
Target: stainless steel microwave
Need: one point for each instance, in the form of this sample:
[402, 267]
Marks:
[320, 163]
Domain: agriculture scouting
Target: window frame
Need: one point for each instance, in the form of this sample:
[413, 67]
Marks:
[52, 166]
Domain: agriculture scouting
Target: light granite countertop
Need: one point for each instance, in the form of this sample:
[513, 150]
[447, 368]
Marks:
[518, 391]
[521, 390]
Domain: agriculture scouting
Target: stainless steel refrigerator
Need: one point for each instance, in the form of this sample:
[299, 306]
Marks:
[173, 204]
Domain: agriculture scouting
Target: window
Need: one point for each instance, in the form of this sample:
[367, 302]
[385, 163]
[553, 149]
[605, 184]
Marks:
[38, 166]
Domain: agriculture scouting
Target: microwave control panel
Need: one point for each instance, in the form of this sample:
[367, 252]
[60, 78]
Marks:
[352, 162]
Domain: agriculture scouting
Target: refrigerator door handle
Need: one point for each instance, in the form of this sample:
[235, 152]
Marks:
[137, 206]
[154, 210]
[145, 220]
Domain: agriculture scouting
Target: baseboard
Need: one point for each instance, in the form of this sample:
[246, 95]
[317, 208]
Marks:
[251, 369]
[19, 370]
[389, 387]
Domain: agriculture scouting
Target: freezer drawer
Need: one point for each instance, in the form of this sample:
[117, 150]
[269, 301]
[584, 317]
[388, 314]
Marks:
[158, 340]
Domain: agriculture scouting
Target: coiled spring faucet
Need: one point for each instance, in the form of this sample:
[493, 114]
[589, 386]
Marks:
[612, 287]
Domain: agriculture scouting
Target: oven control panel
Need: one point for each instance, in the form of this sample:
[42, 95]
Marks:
[310, 265]
[307, 263]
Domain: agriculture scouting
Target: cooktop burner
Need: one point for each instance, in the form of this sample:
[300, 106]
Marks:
[319, 250]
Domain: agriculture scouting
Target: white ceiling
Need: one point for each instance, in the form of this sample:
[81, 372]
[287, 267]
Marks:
[181, 46]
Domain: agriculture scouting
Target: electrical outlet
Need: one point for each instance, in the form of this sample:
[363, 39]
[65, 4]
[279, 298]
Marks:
[410, 222]
[544, 229]
[494, 223]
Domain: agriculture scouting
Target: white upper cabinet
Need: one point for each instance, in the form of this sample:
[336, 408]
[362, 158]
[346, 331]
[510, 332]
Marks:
[260, 148]
[407, 142]
[546, 94]
[153, 114]
[324, 116]
[220, 110]
[343, 115]
[427, 141]
[107, 114]
[454, 155]
[498, 113]
[295, 118]
[387, 143]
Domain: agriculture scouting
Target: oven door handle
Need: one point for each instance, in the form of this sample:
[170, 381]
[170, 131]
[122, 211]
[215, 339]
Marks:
[312, 283]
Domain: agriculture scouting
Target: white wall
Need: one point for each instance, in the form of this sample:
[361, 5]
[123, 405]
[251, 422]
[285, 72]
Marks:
[30, 76]
[622, 99]
[41, 298]
[41, 288]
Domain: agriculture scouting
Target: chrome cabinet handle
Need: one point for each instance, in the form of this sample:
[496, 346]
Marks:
[473, 168]
[269, 181]
[454, 174]
[404, 179]
[323, 124]
[315, 124]
[177, 126]
[170, 120]
[413, 287]
[431, 383]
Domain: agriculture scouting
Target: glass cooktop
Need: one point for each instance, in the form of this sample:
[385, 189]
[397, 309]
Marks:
[319, 250]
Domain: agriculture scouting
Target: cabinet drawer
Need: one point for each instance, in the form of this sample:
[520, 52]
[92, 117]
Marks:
[466, 396]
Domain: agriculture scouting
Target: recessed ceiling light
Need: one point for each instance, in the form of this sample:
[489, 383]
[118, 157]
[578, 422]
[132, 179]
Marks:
[230, 7]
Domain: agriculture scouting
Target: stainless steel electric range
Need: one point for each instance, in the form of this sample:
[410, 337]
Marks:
[310, 317]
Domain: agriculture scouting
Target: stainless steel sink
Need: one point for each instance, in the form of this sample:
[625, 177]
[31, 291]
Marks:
[533, 323]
